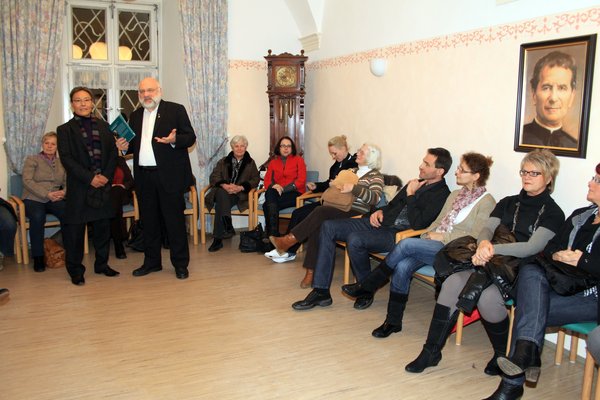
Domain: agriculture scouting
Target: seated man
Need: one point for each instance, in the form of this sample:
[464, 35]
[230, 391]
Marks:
[416, 206]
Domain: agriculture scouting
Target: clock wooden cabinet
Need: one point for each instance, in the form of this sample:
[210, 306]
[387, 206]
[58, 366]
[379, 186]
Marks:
[286, 90]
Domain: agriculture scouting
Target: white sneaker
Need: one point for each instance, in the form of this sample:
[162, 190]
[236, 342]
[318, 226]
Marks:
[273, 253]
[287, 258]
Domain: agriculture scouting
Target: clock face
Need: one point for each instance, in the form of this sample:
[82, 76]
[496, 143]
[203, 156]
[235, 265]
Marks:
[285, 76]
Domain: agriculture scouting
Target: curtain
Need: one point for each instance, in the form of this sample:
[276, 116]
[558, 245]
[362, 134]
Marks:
[30, 40]
[204, 31]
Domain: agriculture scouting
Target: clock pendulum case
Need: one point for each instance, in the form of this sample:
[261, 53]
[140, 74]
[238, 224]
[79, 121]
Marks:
[286, 90]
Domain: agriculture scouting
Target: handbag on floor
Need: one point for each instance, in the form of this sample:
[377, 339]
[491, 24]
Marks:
[54, 254]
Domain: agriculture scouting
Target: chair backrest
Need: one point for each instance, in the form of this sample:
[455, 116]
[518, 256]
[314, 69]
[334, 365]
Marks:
[16, 185]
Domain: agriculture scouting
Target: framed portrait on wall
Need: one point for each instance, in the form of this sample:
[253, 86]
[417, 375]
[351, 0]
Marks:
[553, 97]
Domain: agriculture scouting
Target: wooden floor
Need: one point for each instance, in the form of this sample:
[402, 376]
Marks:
[228, 332]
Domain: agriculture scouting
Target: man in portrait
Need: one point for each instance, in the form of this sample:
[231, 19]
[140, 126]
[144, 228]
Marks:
[553, 86]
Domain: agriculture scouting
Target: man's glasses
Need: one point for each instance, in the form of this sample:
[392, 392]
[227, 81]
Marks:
[533, 174]
[81, 101]
[596, 180]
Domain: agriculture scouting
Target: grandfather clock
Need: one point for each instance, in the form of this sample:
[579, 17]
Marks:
[286, 75]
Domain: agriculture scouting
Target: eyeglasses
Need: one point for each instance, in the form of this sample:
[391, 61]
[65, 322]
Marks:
[285, 145]
[596, 180]
[533, 174]
[463, 171]
[80, 101]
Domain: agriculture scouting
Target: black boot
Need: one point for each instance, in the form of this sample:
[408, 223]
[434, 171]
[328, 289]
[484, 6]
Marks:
[371, 283]
[271, 220]
[506, 391]
[38, 264]
[216, 245]
[498, 335]
[469, 296]
[393, 319]
[442, 323]
[526, 358]
[119, 249]
[228, 226]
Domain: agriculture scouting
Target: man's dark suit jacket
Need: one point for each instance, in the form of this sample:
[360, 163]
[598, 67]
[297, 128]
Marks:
[75, 157]
[535, 134]
[173, 163]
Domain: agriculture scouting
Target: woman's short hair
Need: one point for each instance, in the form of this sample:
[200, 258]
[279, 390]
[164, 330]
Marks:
[478, 164]
[546, 161]
[276, 150]
[598, 169]
[80, 89]
[48, 135]
[237, 139]
[339, 142]
[373, 156]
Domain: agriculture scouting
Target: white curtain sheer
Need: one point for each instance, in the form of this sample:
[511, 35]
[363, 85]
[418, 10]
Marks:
[204, 31]
[30, 38]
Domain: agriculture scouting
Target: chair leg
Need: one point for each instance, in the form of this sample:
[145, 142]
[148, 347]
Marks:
[24, 244]
[459, 328]
[346, 267]
[18, 249]
[202, 227]
[573, 350]
[588, 374]
[511, 319]
[597, 392]
[560, 346]
[86, 245]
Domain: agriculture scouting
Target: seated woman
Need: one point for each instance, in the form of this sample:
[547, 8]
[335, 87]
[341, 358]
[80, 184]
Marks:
[464, 213]
[120, 195]
[534, 218]
[338, 149]
[44, 185]
[285, 180]
[233, 177]
[366, 193]
[576, 245]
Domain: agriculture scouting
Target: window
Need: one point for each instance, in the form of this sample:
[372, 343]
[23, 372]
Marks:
[111, 46]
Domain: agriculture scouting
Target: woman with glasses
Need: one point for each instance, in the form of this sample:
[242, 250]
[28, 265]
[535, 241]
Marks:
[533, 218]
[464, 213]
[285, 180]
[577, 246]
[44, 185]
[366, 193]
[88, 152]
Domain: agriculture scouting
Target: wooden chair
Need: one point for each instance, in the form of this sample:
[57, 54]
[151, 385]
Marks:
[17, 246]
[16, 187]
[579, 331]
[234, 211]
[191, 210]
[311, 176]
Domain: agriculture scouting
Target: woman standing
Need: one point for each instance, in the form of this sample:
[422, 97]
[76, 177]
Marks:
[534, 218]
[44, 184]
[88, 152]
[285, 180]
[232, 179]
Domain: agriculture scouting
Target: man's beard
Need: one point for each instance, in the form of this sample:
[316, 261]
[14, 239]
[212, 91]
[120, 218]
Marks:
[152, 105]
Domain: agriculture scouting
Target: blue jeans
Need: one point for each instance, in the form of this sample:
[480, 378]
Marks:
[8, 228]
[358, 235]
[407, 257]
[36, 212]
[538, 306]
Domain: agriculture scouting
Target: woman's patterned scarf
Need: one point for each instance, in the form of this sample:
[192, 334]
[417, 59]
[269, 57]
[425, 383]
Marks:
[465, 197]
[94, 146]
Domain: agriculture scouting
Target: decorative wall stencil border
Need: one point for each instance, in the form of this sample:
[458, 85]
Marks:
[248, 65]
[589, 18]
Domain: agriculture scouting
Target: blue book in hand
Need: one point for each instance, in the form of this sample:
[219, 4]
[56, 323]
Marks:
[120, 128]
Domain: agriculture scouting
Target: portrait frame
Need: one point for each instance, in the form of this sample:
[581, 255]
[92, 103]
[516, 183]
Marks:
[555, 115]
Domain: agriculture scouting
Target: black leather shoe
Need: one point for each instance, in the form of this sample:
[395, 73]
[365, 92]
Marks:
[355, 290]
[313, 299]
[143, 270]
[492, 368]
[229, 234]
[78, 280]
[430, 356]
[386, 330]
[119, 250]
[38, 264]
[108, 271]
[182, 273]
[363, 302]
[216, 245]
[506, 391]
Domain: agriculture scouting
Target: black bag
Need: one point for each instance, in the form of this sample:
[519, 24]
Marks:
[254, 241]
[565, 279]
[136, 236]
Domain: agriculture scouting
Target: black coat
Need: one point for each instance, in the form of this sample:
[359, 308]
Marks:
[80, 170]
[173, 163]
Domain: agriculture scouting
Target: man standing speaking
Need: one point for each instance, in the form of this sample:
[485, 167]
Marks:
[162, 175]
